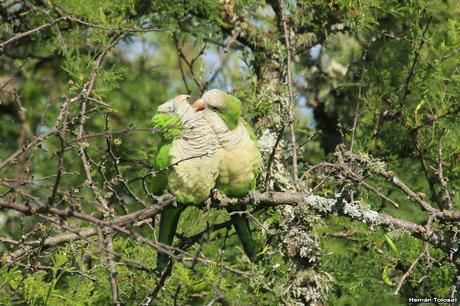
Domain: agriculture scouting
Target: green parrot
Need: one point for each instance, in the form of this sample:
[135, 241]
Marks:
[186, 163]
[240, 156]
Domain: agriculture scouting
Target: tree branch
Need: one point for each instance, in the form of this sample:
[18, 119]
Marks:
[291, 98]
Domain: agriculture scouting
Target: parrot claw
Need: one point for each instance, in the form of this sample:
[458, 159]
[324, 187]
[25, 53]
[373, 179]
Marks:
[253, 198]
[181, 236]
[174, 203]
[216, 196]
[215, 193]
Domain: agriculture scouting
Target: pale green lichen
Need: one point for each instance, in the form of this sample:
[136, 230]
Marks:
[301, 247]
[280, 179]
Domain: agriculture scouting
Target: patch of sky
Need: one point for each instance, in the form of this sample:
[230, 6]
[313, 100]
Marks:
[259, 17]
[136, 46]
[42, 129]
[304, 111]
[12, 6]
[231, 67]
[315, 51]
[291, 5]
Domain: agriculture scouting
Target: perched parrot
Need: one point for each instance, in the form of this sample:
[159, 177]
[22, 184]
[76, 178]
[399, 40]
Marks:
[240, 156]
[186, 163]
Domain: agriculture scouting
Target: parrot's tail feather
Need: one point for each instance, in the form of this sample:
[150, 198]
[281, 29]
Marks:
[168, 226]
[244, 233]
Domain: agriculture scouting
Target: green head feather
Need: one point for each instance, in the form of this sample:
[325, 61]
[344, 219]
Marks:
[231, 111]
[226, 106]
[168, 126]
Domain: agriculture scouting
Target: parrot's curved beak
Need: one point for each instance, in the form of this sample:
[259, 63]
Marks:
[198, 105]
[182, 98]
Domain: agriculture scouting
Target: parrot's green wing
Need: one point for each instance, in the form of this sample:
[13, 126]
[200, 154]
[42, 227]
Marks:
[169, 128]
[161, 167]
[252, 134]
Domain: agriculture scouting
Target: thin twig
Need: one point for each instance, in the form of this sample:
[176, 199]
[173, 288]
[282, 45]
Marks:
[403, 278]
[411, 71]
[445, 189]
[360, 89]
[18, 36]
[116, 160]
[182, 72]
[272, 156]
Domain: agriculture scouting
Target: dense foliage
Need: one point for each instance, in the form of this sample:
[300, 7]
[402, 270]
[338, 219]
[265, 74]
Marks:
[358, 98]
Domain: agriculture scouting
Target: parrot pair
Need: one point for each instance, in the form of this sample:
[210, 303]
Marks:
[204, 146]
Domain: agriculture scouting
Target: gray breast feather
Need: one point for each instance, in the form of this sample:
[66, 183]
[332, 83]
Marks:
[197, 138]
[228, 139]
